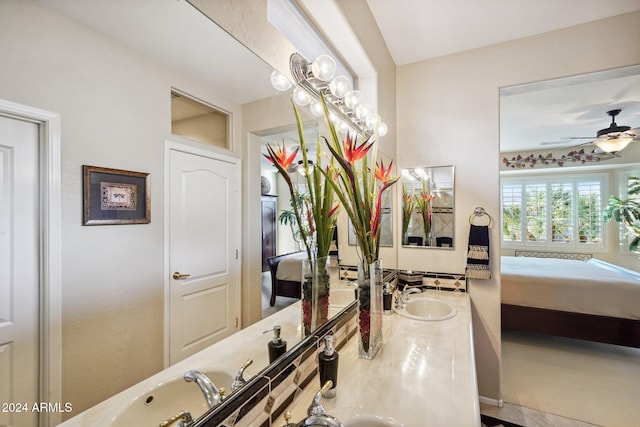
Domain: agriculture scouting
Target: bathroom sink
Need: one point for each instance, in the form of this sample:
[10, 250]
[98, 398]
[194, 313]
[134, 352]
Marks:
[426, 308]
[341, 297]
[369, 420]
[167, 399]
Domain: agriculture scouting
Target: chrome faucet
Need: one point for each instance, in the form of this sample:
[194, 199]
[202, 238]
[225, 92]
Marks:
[317, 416]
[211, 393]
[239, 380]
[401, 296]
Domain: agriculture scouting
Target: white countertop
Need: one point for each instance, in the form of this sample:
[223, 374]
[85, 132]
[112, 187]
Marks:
[423, 376]
[227, 356]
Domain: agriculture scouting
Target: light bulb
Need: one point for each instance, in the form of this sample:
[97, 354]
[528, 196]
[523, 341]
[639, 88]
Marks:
[353, 98]
[301, 97]
[363, 111]
[343, 128]
[317, 110]
[339, 86]
[324, 68]
[382, 129]
[280, 82]
[371, 120]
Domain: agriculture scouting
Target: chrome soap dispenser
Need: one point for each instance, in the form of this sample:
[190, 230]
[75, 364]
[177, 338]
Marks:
[328, 367]
[277, 346]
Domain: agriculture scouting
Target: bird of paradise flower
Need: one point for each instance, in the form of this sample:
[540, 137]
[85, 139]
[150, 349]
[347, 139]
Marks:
[408, 205]
[423, 202]
[359, 187]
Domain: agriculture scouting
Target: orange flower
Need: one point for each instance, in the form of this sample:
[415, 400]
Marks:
[279, 156]
[382, 173]
[354, 152]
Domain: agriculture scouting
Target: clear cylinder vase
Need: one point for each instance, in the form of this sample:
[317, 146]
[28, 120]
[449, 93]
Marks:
[315, 293]
[370, 309]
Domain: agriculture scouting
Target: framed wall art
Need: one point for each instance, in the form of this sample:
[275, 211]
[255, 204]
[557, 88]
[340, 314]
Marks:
[114, 196]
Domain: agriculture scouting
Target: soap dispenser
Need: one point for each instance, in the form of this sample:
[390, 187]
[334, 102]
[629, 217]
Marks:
[328, 366]
[277, 346]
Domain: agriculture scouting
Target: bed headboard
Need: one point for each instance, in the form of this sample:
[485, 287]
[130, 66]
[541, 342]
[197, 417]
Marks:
[559, 255]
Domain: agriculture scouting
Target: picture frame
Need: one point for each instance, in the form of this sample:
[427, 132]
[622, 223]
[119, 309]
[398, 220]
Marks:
[114, 196]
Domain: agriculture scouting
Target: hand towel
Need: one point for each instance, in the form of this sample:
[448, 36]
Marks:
[478, 254]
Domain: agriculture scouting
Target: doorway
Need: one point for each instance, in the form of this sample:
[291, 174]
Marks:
[30, 242]
[202, 229]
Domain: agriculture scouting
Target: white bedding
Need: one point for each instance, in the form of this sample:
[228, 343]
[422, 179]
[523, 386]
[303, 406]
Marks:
[290, 269]
[591, 287]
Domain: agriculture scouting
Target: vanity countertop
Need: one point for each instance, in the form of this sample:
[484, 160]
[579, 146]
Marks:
[227, 356]
[424, 375]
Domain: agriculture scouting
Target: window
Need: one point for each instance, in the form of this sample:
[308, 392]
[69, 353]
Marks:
[625, 236]
[558, 211]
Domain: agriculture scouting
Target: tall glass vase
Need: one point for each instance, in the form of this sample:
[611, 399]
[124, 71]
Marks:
[315, 293]
[370, 308]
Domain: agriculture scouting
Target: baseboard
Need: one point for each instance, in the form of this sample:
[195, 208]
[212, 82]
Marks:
[492, 402]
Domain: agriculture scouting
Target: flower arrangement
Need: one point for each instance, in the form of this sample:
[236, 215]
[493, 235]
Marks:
[315, 212]
[359, 187]
[423, 202]
[408, 205]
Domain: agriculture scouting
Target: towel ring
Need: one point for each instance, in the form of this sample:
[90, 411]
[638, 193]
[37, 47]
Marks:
[480, 212]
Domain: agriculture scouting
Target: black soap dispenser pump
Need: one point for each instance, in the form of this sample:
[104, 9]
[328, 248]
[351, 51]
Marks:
[277, 346]
[328, 366]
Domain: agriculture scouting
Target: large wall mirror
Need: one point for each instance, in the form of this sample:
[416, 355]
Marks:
[178, 40]
[427, 207]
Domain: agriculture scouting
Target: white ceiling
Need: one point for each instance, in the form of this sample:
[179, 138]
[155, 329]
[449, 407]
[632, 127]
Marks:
[415, 30]
[536, 116]
[173, 33]
[178, 36]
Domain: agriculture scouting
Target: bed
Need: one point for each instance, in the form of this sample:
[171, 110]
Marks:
[590, 300]
[286, 275]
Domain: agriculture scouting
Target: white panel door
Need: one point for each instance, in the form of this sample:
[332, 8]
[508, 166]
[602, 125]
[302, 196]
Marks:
[204, 232]
[19, 272]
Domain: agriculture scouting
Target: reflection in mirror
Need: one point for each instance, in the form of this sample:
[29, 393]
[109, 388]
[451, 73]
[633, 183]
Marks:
[386, 220]
[198, 121]
[427, 207]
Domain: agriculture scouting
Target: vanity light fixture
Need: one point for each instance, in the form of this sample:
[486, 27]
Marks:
[346, 105]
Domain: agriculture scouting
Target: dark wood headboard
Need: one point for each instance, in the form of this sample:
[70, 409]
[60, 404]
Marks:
[286, 288]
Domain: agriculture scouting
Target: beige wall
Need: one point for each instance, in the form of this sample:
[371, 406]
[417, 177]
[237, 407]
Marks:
[115, 112]
[448, 112]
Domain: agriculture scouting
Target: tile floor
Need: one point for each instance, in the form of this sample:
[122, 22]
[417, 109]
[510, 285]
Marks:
[281, 302]
[551, 381]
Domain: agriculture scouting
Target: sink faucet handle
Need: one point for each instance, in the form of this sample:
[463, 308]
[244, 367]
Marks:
[317, 414]
[183, 418]
[239, 380]
[316, 407]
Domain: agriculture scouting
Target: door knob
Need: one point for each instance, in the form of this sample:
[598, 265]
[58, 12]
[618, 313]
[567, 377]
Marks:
[179, 276]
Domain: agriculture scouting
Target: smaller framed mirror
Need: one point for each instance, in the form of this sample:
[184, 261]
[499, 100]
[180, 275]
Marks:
[427, 207]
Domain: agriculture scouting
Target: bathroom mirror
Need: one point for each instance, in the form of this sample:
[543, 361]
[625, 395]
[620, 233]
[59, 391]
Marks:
[153, 33]
[427, 207]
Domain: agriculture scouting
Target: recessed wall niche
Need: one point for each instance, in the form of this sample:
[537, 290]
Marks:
[198, 121]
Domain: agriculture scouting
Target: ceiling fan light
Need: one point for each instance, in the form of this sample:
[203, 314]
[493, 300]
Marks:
[613, 144]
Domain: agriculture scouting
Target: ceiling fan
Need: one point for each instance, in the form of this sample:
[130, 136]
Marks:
[613, 138]
[609, 141]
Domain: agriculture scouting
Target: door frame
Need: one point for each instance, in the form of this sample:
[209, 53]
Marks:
[186, 146]
[50, 221]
